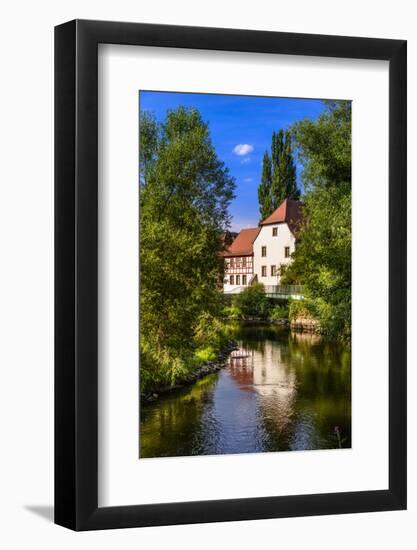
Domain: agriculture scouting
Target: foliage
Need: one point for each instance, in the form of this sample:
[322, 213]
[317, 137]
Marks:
[264, 188]
[231, 311]
[283, 168]
[278, 174]
[185, 191]
[204, 354]
[324, 146]
[209, 329]
[300, 308]
[322, 259]
[210, 336]
[287, 276]
[279, 312]
[252, 302]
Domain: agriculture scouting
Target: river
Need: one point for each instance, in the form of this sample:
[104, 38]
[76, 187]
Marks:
[280, 391]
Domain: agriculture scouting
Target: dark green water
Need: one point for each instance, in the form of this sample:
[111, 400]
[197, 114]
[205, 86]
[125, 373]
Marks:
[280, 391]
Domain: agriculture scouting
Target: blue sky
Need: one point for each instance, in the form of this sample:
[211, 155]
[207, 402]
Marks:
[241, 128]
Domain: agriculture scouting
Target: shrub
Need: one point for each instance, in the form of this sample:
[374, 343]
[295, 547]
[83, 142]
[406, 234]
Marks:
[205, 354]
[209, 331]
[232, 311]
[252, 302]
[279, 312]
[161, 368]
[301, 308]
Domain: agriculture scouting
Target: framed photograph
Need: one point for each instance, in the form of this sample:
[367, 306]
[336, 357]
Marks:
[230, 284]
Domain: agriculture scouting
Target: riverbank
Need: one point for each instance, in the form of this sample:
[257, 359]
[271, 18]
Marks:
[257, 320]
[208, 367]
[299, 324]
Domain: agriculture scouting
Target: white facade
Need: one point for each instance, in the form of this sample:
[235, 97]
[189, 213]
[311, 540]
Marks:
[277, 242]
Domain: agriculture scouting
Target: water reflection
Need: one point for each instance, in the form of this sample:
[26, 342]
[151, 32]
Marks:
[280, 391]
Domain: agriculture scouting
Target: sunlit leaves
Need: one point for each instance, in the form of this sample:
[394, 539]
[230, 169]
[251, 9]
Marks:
[184, 199]
[322, 260]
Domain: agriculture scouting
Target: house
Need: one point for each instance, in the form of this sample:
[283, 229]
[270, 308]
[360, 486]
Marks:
[275, 241]
[259, 252]
[238, 261]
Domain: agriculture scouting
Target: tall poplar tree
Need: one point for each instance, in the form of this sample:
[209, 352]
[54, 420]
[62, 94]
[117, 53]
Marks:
[264, 189]
[277, 149]
[284, 183]
[290, 176]
[278, 174]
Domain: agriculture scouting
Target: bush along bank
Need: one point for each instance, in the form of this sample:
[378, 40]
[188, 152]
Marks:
[301, 317]
[204, 369]
[252, 305]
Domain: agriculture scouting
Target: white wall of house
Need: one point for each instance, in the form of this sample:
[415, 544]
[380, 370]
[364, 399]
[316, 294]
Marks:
[275, 251]
[239, 282]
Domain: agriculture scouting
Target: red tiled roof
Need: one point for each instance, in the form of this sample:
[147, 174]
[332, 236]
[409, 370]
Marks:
[288, 211]
[243, 244]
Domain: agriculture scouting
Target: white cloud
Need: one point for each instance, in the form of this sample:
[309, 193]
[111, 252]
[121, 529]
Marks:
[243, 149]
[245, 160]
[248, 180]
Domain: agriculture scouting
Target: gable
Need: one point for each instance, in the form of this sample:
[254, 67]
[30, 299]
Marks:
[289, 212]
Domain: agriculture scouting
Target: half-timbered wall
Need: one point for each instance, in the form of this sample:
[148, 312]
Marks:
[238, 272]
[239, 265]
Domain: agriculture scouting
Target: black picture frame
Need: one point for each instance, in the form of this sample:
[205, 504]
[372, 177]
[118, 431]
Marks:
[76, 272]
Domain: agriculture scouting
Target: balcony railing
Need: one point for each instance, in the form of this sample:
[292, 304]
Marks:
[275, 291]
[284, 290]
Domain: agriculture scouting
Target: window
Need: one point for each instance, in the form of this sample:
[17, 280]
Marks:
[273, 270]
[243, 262]
[287, 251]
[274, 231]
[264, 271]
[244, 280]
[263, 251]
[232, 262]
[232, 279]
[238, 279]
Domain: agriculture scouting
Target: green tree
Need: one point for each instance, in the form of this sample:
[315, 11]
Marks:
[289, 170]
[324, 146]
[322, 259]
[278, 174]
[264, 189]
[284, 184]
[252, 302]
[184, 199]
[148, 139]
